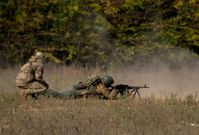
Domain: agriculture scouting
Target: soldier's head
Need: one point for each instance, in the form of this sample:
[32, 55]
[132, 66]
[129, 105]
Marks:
[40, 55]
[107, 80]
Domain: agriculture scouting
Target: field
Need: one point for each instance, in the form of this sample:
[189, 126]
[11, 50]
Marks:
[169, 107]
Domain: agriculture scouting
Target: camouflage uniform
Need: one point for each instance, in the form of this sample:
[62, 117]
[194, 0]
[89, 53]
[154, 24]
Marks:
[94, 86]
[100, 87]
[30, 77]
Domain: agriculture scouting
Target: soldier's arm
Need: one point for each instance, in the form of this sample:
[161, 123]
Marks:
[39, 71]
[101, 88]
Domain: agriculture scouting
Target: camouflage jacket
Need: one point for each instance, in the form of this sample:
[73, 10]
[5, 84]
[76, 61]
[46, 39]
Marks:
[33, 70]
[93, 86]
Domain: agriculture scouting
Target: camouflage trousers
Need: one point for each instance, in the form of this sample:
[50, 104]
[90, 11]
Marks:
[36, 89]
[32, 88]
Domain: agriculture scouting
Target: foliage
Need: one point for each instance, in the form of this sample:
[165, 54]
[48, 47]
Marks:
[96, 32]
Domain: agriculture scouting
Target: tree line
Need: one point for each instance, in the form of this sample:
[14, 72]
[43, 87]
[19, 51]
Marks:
[97, 32]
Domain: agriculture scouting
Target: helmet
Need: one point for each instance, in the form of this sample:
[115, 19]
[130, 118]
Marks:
[39, 55]
[107, 80]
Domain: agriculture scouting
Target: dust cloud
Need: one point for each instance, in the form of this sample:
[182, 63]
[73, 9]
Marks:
[164, 77]
[162, 82]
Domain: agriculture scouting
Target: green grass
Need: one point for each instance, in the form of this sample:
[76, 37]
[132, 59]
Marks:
[150, 115]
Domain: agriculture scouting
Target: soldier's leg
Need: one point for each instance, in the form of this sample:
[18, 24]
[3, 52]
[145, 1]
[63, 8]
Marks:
[36, 89]
[53, 93]
[25, 93]
[68, 94]
[33, 89]
[71, 94]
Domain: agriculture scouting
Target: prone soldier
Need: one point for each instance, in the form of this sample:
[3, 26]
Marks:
[102, 87]
[96, 86]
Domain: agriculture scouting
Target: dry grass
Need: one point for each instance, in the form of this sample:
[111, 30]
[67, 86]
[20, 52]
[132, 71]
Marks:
[151, 115]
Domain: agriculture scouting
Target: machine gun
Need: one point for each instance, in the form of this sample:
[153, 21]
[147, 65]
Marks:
[121, 88]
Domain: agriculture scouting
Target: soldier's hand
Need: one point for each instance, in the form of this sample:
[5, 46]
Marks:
[46, 85]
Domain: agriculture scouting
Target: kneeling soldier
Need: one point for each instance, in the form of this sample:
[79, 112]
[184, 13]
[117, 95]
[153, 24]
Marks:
[30, 78]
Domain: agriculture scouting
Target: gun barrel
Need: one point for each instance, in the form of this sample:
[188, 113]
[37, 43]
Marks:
[137, 87]
[122, 86]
